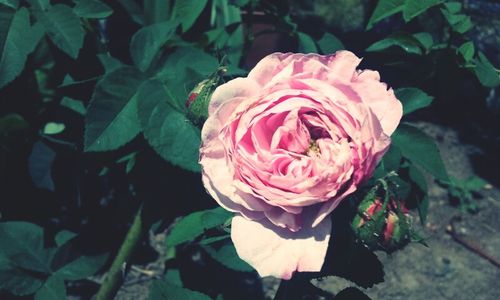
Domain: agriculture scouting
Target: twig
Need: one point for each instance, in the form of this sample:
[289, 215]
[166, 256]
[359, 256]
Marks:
[472, 246]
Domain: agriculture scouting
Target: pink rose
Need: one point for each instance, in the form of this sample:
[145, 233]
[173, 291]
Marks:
[285, 145]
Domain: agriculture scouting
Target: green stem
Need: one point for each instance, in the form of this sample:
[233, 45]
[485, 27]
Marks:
[114, 277]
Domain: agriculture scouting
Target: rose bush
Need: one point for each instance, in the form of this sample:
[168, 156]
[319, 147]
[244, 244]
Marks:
[285, 145]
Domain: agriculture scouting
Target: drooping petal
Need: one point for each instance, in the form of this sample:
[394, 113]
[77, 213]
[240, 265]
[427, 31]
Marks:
[279, 252]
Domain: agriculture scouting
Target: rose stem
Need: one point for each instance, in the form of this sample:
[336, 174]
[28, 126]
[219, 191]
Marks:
[114, 277]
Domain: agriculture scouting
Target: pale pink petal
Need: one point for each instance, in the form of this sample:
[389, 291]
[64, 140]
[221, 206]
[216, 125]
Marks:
[343, 66]
[238, 87]
[279, 252]
[268, 67]
[381, 100]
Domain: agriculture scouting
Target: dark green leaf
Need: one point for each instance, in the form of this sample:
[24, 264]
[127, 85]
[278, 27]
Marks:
[392, 159]
[22, 243]
[420, 149]
[17, 39]
[52, 289]
[413, 99]
[40, 166]
[11, 3]
[463, 26]
[466, 50]
[425, 39]
[166, 128]
[64, 236]
[15, 280]
[64, 28]
[75, 105]
[419, 179]
[384, 9]
[109, 63]
[111, 119]
[413, 8]
[82, 267]
[228, 257]
[134, 10]
[402, 40]
[147, 42]
[486, 72]
[453, 7]
[187, 11]
[92, 9]
[306, 43]
[330, 44]
[163, 290]
[195, 224]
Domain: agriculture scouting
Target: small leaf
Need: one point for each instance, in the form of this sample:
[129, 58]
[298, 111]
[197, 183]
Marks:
[52, 289]
[64, 236]
[384, 9]
[413, 99]
[453, 7]
[330, 44]
[486, 72]
[420, 149]
[11, 3]
[195, 224]
[187, 11]
[73, 104]
[306, 43]
[147, 42]
[413, 8]
[163, 290]
[463, 26]
[53, 128]
[63, 27]
[404, 41]
[425, 39]
[40, 162]
[82, 267]
[92, 9]
[466, 50]
[166, 128]
[227, 256]
[109, 63]
[134, 10]
[475, 183]
[111, 119]
[15, 280]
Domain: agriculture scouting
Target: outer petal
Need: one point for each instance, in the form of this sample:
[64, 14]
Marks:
[279, 252]
[381, 100]
[267, 68]
[238, 87]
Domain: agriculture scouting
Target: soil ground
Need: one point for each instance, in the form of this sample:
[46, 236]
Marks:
[444, 270]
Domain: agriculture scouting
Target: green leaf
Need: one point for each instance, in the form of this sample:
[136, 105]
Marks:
[413, 8]
[463, 26]
[195, 224]
[163, 290]
[111, 119]
[413, 99]
[330, 44]
[11, 3]
[228, 257]
[392, 159]
[486, 72]
[22, 243]
[402, 40]
[425, 39]
[419, 179]
[148, 41]
[109, 63]
[475, 183]
[75, 105]
[17, 39]
[420, 149]
[53, 128]
[384, 9]
[52, 289]
[306, 43]
[134, 10]
[40, 162]
[466, 50]
[453, 7]
[166, 128]
[187, 11]
[92, 9]
[64, 236]
[82, 267]
[63, 27]
[15, 280]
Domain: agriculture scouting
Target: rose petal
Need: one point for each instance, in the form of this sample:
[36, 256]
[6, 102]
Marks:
[238, 87]
[279, 252]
